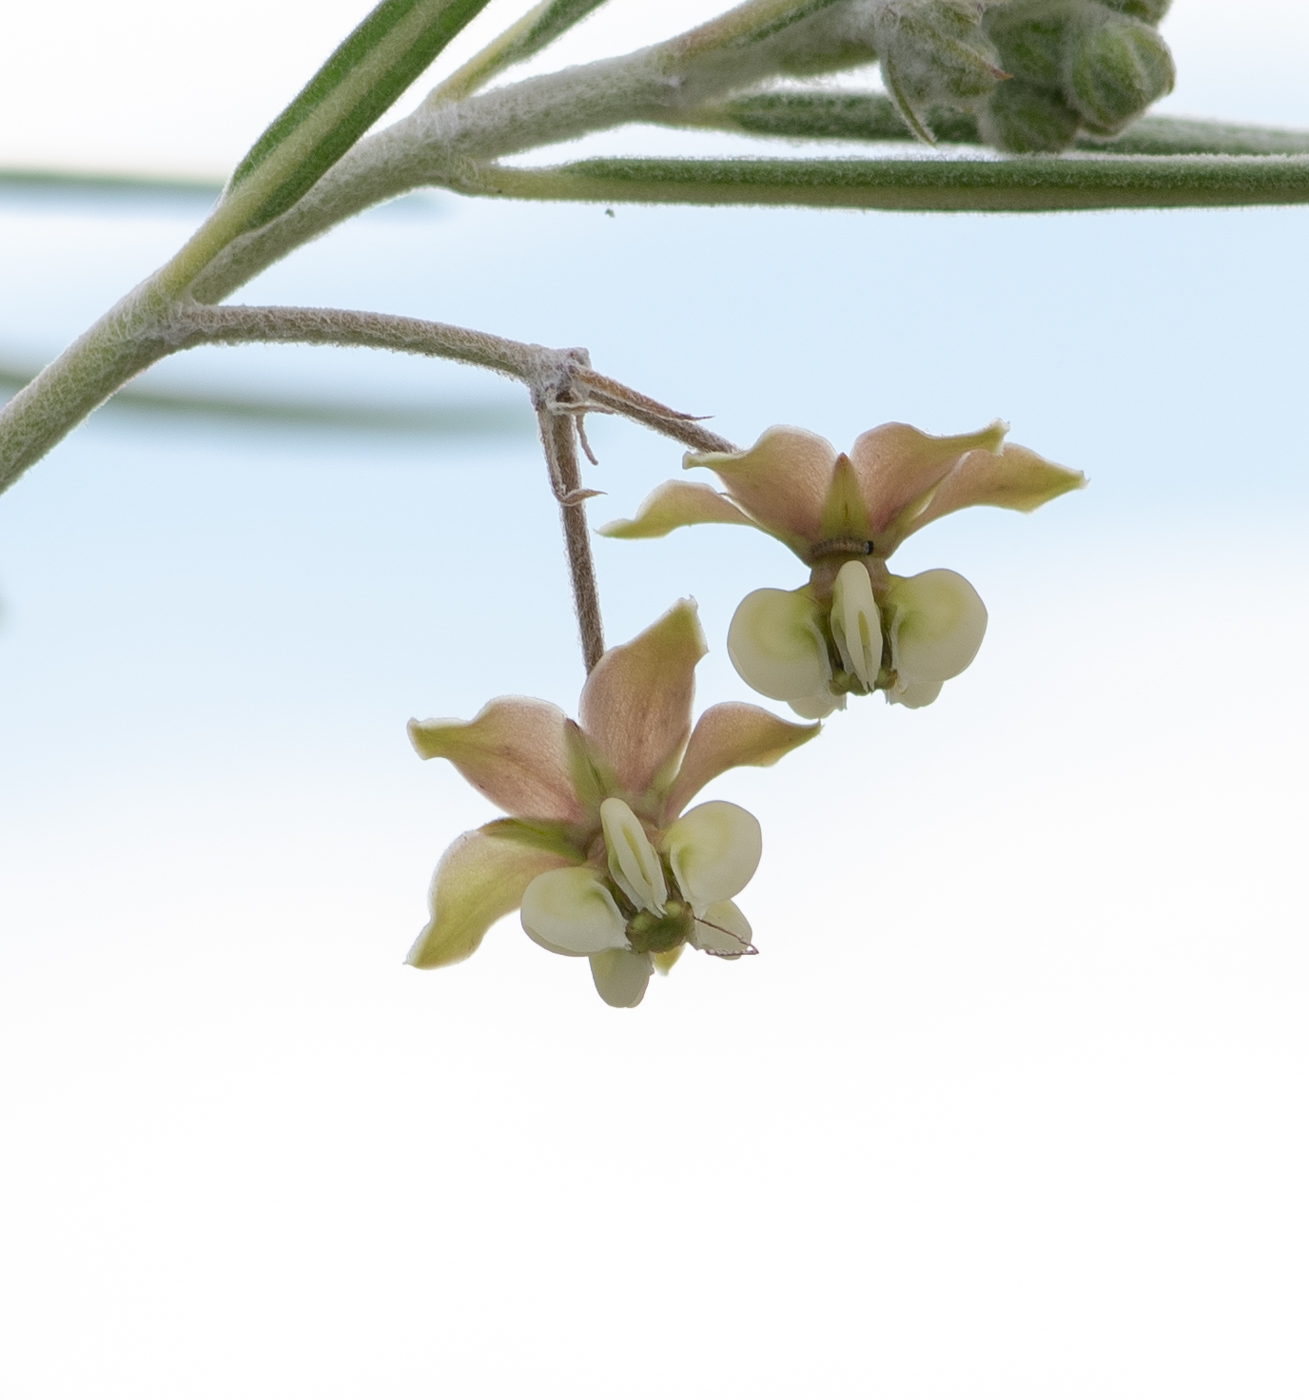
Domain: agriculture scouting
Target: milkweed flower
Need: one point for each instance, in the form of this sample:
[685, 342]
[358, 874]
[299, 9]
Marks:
[855, 627]
[598, 852]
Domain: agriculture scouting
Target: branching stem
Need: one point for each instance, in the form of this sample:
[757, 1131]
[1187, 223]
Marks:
[561, 381]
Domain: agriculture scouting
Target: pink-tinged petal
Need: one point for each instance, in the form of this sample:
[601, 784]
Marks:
[898, 467]
[1014, 477]
[514, 752]
[782, 481]
[732, 736]
[636, 704]
[480, 879]
[674, 504]
[621, 977]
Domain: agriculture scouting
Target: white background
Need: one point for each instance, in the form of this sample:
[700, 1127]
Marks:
[1012, 1103]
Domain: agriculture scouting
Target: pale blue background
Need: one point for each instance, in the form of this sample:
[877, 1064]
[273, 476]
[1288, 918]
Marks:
[1012, 1102]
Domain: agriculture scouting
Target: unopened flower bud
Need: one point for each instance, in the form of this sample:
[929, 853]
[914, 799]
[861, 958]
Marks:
[1151, 11]
[1118, 67]
[935, 53]
[935, 625]
[1024, 118]
[1031, 37]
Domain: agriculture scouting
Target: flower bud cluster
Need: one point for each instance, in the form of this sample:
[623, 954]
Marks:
[1075, 66]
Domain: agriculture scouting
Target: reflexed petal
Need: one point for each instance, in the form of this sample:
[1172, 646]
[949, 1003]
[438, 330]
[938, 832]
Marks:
[777, 646]
[636, 704]
[480, 879]
[621, 977]
[714, 851]
[1013, 477]
[897, 466]
[782, 481]
[856, 623]
[936, 625]
[513, 752]
[916, 695]
[723, 930]
[732, 736]
[632, 859]
[570, 911]
[673, 504]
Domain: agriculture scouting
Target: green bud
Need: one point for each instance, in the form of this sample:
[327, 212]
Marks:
[1151, 11]
[1118, 68]
[1031, 39]
[1025, 119]
[936, 53]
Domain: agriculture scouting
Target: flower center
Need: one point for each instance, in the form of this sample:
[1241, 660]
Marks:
[649, 932]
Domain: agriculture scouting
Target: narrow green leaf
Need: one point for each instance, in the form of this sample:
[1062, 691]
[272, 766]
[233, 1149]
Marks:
[839, 116]
[365, 75]
[871, 116]
[543, 25]
[1174, 136]
[750, 23]
[1029, 183]
[537, 29]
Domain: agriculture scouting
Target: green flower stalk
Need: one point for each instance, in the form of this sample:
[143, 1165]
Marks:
[855, 627]
[599, 851]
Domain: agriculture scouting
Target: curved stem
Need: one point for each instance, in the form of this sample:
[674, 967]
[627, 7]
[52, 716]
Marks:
[137, 334]
[562, 381]
[194, 324]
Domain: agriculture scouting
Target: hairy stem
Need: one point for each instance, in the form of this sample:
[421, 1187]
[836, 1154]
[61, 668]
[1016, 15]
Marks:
[562, 380]
[559, 438]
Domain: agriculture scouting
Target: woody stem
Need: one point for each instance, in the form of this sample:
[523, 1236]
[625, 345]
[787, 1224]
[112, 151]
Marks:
[559, 438]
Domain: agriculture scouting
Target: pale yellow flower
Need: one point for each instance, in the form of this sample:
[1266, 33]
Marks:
[598, 851]
[854, 627]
